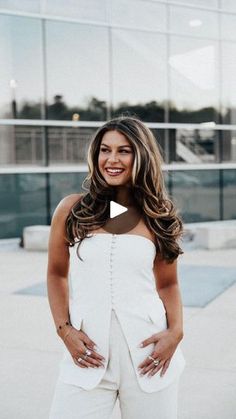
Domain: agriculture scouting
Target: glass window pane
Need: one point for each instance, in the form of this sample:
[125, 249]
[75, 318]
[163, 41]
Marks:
[203, 3]
[63, 184]
[139, 74]
[21, 79]
[77, 71]
[32, 6]
[194, 80]
[228, 5]
[228, 90]
[229, 146]
[21, 145]
[79, 9]
[197, 194]
[69, 145]
[139, 14]
[228, 26]
[194, 146]
[23, 203]
[229, 194]
[193, 22]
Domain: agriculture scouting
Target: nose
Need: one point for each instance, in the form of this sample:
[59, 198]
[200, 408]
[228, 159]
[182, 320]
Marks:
[113, 158]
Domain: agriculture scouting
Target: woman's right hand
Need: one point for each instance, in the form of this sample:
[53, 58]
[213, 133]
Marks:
[77, 342]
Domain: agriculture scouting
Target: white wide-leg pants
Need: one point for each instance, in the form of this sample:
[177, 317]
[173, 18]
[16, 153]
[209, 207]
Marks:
[73, 402]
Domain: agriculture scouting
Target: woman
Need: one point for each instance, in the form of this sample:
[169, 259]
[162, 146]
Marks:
[120, 317]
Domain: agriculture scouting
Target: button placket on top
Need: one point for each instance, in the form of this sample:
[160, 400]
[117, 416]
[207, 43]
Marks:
[111, 269]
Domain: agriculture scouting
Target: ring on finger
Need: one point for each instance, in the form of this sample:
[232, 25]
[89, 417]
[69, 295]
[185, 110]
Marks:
[154, 369]
[88, 352]
[156, 362]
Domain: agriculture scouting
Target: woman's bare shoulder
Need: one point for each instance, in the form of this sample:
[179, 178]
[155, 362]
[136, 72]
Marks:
[63, 208]
[70, 200]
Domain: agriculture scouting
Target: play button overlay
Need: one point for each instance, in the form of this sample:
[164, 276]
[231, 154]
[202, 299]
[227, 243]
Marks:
[122, 219]
[116, 209]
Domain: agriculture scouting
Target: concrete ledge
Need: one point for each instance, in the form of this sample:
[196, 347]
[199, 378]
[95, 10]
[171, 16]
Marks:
[205, 235]
[36, 237]
[213, 235]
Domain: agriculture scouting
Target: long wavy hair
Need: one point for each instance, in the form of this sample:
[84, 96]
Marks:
[91, 211]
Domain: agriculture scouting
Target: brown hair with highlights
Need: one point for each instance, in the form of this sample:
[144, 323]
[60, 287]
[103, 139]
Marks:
[147, 188]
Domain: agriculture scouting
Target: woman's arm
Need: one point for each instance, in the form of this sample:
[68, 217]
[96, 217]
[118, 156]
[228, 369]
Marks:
[77, 341]
[168, 290]
[58, 264]
[167, 340]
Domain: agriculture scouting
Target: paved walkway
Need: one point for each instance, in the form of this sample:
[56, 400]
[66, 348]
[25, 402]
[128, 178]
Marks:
[30, 349]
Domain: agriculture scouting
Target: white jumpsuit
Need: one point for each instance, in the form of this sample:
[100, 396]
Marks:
[113, 299]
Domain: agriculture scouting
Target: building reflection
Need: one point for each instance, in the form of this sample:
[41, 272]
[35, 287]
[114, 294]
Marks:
[167, 62]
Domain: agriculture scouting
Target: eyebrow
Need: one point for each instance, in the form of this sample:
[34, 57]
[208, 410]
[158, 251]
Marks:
[118, 147]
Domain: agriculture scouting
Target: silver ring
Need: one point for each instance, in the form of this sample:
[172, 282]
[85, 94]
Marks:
[88, 352]
[156, 362]
[150, 357]
[79, 359]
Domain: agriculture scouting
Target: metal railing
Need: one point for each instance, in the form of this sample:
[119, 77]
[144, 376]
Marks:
[47, 142]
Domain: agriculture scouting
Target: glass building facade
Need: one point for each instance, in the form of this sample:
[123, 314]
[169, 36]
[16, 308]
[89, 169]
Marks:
[68, 66]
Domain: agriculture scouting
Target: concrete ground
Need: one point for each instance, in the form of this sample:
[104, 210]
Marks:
[30, 349]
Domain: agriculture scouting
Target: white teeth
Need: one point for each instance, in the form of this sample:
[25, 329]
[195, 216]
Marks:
[114, 171]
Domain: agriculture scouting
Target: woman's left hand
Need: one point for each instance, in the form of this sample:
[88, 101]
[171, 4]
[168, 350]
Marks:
[165, 345]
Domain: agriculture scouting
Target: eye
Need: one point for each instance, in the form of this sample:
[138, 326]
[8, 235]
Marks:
[105, 149]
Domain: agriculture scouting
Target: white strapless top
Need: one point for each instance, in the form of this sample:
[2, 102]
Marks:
[115, 267]
[116, 273]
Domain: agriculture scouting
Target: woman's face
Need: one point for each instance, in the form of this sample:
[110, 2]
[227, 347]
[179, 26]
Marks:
[115, 152]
